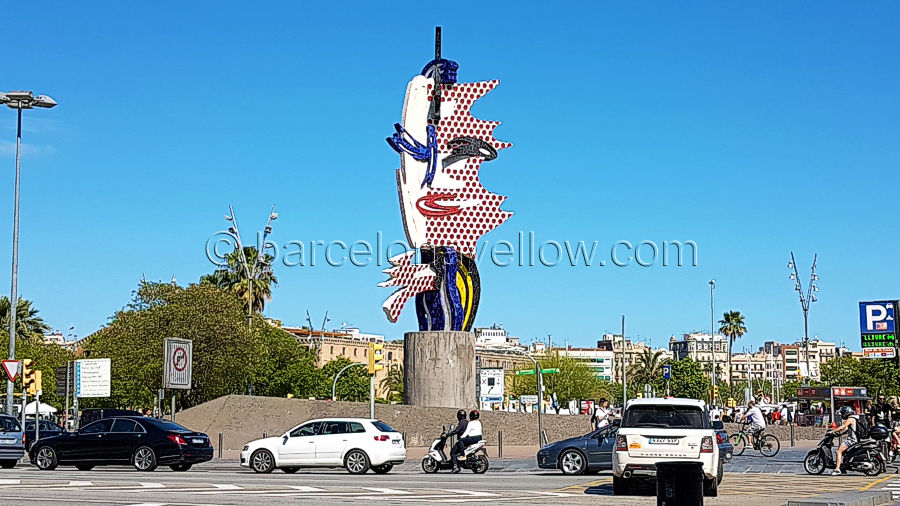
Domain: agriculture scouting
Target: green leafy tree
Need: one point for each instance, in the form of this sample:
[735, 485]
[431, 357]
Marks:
[29, 326]
[689, 380]
[574, 381]
[393, 384]
[647, 369]
[732, 325]
[353, 385]
[237, 278]
[228, 357]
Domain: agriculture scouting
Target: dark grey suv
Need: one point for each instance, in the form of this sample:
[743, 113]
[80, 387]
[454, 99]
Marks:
[11, 447]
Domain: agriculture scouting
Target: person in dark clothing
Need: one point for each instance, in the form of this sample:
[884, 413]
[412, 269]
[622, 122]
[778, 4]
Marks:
[462, 425]
[880, 413]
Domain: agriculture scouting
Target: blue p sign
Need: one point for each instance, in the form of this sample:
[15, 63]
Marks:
[876, 317]
[667, 372]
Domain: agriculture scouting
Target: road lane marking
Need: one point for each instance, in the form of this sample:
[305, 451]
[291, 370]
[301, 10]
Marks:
[472, 493]
[387, 491]
[551, 494]
[305, 488]
[876, 482]
[80, 484]
[10, 482]
[152, 485]
[226, 486]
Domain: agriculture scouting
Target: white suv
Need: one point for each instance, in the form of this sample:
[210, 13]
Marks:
[665, 430]
[357, 444]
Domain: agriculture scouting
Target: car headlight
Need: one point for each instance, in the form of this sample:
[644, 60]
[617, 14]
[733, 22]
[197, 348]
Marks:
[246, 447]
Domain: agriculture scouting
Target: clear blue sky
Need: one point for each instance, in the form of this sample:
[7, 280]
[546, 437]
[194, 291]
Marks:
[751, 130]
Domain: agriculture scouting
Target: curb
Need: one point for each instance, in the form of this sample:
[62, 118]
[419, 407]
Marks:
[855, 499]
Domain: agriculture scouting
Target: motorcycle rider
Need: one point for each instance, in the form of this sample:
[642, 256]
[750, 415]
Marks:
[473, 433]
[849, 426]
[461, 426]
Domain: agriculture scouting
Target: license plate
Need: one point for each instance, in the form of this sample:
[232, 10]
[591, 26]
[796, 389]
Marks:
[198, 441]
[663, 441]
[8, 441]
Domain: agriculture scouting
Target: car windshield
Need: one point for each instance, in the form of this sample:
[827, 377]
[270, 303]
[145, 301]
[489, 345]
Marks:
[664, 416]
[8, 424]
[383, 427]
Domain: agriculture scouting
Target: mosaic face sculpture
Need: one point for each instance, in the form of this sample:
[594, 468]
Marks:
[444, 206]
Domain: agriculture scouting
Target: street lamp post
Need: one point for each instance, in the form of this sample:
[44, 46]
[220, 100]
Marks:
[248, 270]
[805, 301]
[712, 332]
[18, 100]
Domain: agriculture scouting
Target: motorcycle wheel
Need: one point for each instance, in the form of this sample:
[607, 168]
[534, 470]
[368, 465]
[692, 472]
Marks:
[814, 463]
[429, 465]
[480, 466]
[878, 466]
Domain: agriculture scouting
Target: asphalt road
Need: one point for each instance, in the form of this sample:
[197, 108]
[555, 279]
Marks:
[510, 480]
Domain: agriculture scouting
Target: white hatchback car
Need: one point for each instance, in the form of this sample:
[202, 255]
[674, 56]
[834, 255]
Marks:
[654, 431]
[356, 444]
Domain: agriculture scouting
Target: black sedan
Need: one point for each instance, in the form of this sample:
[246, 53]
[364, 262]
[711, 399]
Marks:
[47, 429]
[142, 442]
[588, 453]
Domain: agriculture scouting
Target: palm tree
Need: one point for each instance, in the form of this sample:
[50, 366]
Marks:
[393, 383]
[29, 325]
[647, 367]
[234, 278]
[732, 325]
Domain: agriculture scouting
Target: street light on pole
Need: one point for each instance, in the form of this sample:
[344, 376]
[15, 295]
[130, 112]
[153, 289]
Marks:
[250, 271]
[18, 100]
[805, 301]
[712, 332]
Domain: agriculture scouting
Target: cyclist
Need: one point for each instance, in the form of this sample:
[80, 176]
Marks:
[757, 422]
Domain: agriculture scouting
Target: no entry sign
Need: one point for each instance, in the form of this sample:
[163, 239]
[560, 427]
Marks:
[178, 362]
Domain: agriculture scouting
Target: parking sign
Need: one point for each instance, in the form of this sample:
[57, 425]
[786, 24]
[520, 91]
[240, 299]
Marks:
[667, 372]
[877, 325]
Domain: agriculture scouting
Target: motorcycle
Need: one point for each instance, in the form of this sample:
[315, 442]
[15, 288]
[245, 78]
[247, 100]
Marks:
[475, 456]
[864, 457]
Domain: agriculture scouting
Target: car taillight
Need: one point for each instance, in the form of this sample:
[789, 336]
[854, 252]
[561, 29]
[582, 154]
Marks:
[621, 444]
[706, 445]
[175, 438]
[719, 438]
[381, 438]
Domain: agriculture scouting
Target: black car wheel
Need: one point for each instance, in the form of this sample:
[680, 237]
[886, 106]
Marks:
[46, 459]
[262, 461]
[290, 470]
[572, 462]
[180, 467]
[144, 459]
[356, 462]
[7, 464]
[83, 467]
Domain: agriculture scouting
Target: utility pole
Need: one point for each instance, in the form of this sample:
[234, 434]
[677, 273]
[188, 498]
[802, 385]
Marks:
[805, 301]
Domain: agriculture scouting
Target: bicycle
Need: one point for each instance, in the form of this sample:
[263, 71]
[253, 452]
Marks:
[767, 444]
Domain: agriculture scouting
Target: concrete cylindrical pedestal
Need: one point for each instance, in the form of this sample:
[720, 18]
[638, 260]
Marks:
[439, 369]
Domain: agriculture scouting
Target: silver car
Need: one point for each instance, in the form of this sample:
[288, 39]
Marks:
[11, 446]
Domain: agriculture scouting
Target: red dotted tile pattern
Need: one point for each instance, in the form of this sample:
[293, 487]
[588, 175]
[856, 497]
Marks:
[463, 230]
[413, 278]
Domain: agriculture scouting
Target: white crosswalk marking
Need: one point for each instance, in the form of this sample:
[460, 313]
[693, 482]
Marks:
[10, 482]
[80, 484]
[472, 493]
[152, 485]
[387, 491]
[551, 494]
[226, 486]
[304, 488]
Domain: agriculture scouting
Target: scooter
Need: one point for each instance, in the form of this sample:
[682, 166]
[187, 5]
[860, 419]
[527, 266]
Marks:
[475, 456]
[864, 457]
